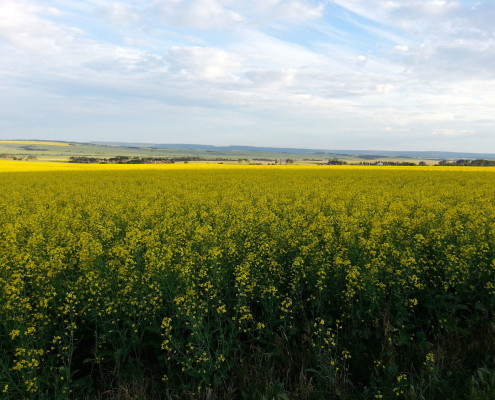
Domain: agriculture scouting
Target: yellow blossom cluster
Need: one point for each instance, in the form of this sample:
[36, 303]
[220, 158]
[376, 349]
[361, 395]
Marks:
[193, 268]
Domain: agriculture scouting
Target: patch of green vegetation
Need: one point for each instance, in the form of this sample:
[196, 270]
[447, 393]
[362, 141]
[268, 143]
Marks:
[105, 151]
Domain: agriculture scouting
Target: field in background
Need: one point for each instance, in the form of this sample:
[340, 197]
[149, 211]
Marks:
[34, 142]
[40, 166]
[226, 282]
[61, 151]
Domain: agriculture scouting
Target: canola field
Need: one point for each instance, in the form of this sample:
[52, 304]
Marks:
[237, 282]
[35, 142]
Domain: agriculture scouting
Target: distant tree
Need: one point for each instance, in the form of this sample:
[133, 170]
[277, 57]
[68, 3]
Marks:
[336, 161]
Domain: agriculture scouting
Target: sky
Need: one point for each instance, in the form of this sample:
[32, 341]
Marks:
[324, 74]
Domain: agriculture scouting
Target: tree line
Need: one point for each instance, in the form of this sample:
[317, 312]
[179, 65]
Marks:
[468, 163]
[137, 160]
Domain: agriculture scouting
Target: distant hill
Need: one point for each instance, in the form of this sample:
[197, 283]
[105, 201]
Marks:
[365, 154]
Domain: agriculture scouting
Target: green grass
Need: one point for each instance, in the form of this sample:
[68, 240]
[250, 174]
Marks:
[103, 151]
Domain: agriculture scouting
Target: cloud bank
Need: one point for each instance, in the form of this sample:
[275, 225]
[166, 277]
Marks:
[358, 74]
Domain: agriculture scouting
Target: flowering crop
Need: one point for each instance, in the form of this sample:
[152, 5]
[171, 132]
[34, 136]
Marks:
[37, 142]
[205, 279]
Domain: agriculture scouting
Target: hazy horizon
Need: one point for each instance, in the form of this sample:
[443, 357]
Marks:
[262, 149]
[364, 75]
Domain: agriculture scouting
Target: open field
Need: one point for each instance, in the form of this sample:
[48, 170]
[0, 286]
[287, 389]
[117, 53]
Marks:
[40, 166]
[34, 142]
[61, 151]
[246, 282]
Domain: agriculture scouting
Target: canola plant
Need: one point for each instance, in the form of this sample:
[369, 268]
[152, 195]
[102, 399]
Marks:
[246, 282]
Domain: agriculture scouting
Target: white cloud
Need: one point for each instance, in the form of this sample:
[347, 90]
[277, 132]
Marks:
[200, 14]
[227, 14]
[452, 132]
[401, 48]
[22, 25]
[446, 38]
[361, 60]
[268, 52]
[273, 78]
[380, 10]
[264, 66]
[41, 46]
[119, 13]
[288, 10]
[206, 63]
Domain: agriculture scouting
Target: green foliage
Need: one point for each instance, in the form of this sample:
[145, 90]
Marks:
[251, 283]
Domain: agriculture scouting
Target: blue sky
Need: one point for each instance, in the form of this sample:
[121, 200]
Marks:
[328, 74]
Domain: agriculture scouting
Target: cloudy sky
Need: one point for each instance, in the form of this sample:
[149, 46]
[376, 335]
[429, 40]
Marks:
[341, 74]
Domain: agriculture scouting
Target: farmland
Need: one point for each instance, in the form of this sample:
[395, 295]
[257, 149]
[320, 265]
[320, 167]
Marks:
[40, 150]
[246, 282]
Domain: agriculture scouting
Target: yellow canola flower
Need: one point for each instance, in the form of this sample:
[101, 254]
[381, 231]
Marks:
[45, 165]
[35, 142]
[14, 333]
[196, 248]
